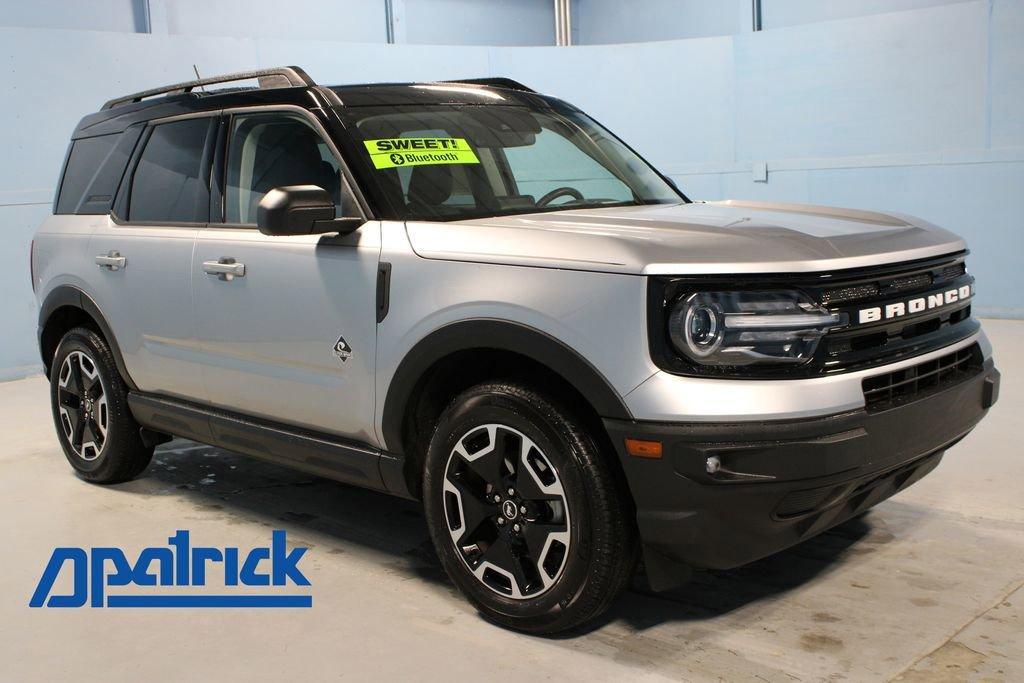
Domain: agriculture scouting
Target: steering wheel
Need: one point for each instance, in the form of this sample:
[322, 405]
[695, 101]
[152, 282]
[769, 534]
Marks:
[558, 192]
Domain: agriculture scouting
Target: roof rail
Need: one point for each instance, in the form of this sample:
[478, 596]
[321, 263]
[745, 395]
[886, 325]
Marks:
[497, 82]
[277, 77]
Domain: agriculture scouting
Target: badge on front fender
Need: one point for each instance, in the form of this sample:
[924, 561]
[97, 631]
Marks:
[342, 350]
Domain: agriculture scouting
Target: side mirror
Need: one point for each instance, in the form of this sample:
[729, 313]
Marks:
[300, 210]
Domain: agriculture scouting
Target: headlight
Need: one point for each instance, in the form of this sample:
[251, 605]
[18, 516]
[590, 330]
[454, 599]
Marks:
[744, 328]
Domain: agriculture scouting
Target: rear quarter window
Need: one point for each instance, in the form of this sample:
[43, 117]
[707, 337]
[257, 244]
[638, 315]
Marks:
[87, 157]
[93, 172]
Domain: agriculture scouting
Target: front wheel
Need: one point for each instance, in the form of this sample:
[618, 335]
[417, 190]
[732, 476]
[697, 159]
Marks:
[524, 510]
[99, 436]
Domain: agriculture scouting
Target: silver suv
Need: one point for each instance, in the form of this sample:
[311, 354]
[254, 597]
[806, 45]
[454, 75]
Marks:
[474, 295]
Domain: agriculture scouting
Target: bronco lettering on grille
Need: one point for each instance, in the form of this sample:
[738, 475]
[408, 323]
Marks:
[913, 306]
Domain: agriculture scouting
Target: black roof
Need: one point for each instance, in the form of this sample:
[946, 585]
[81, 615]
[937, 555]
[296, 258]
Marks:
[442, 92]
[182, 98]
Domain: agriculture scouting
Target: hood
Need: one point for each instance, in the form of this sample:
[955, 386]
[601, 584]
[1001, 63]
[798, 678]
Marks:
[688, 239]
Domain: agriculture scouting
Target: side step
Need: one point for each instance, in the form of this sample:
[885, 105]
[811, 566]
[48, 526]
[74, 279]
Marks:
[320, 454]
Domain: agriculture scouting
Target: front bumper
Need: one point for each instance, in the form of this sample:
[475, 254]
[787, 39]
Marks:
[781, 482]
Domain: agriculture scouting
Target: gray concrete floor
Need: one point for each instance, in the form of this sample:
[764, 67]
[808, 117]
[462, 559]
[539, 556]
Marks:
[928, 586]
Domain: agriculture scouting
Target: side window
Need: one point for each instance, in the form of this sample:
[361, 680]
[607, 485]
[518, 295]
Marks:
[168, 185]
[547, 163]
[86, 157]
[274, 150]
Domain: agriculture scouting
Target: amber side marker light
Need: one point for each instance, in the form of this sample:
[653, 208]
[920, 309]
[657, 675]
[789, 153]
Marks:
[643, 449]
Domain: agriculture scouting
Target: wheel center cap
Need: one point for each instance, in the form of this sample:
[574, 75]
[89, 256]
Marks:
[509, 509]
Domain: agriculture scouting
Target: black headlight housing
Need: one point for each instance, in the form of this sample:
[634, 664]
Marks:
[791, 326]
[735, 329]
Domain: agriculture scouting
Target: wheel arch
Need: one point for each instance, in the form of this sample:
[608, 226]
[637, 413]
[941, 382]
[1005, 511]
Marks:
[67, 307]
[461, 354]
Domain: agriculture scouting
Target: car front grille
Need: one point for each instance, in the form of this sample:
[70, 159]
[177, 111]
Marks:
[890, 286]
[896, 388]
[862, 342]
[861, 346]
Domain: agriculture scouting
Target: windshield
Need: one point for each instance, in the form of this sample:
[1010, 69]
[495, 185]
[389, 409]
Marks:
[450, 162]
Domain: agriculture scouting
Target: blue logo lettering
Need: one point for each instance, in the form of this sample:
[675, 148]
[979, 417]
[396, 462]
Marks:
[180, 564]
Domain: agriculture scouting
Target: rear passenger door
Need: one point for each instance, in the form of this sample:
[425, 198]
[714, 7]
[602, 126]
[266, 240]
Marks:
[291, 336]
[140, 270]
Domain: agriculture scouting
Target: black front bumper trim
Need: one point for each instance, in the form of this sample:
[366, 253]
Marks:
[811, 474]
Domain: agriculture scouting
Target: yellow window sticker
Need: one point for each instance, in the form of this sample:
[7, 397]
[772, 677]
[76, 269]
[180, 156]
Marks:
[395, 152]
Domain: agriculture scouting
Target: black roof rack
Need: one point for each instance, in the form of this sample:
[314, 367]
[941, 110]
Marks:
[278, 77]
[497, 82]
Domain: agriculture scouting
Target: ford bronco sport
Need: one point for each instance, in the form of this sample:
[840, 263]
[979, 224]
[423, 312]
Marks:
[474, 295]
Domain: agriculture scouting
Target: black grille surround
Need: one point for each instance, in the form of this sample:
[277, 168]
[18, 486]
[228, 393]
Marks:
[853, 347]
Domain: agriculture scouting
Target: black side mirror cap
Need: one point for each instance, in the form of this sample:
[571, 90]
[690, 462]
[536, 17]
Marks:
[300, 210]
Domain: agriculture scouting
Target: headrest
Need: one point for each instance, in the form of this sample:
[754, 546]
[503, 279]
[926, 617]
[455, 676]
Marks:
[431, 185]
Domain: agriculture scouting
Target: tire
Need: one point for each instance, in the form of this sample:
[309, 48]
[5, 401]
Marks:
[97, 432]
[568, 544]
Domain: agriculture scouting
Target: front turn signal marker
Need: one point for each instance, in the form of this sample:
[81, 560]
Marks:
[639, 448]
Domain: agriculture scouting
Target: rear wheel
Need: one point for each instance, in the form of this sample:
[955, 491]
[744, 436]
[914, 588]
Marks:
[99, 436]
[525, 513]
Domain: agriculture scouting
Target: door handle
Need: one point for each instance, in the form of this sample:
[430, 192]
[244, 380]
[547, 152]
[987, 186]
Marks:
[112, 260]
[224, 268]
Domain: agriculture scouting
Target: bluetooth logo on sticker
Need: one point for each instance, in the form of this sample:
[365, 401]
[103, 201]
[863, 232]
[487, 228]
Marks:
[397, 159]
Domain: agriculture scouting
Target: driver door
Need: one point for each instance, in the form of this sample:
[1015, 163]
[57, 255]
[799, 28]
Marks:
[286, 325]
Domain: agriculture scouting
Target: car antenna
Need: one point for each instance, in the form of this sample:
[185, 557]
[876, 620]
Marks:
[198, 77]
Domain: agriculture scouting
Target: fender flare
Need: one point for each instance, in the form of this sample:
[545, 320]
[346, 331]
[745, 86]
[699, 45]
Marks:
[498, 335]
[73, 297]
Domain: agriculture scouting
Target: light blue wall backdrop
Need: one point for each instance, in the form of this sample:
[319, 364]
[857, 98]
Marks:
[615, 21]
[427, 22]
[917, 111]
[96, 15]
[777, 13]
